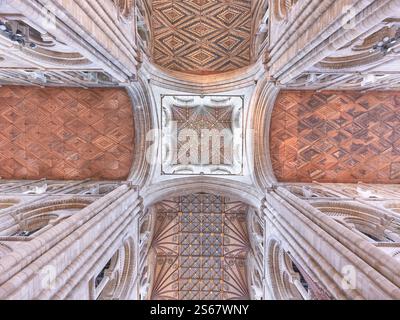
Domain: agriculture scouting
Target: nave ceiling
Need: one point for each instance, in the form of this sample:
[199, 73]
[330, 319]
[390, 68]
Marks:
[65, 133]
[336, 136]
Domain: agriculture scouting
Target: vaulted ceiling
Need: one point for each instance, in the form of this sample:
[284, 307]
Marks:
[201, 244]
[201, 36]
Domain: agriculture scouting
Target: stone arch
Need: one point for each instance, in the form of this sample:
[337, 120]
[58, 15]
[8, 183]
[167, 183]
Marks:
[183, 186]
[144, 121]
[284, 279]
[31, 219]
[120, 273]
[261, 108]
[372, 223]
[8, 202]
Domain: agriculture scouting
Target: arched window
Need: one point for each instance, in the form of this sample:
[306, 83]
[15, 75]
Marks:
[369, 223]
[286, 280]
[115, 280]
[37, 218]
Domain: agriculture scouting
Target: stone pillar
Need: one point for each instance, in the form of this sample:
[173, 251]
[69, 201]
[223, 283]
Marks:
[64, 260]
[343, 264]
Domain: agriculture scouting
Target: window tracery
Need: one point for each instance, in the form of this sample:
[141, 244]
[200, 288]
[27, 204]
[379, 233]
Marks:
[115, 279]
[287, 280]
[32, 219]
[376, 226]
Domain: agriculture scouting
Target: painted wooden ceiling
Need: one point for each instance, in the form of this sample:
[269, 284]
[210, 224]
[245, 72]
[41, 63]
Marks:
[65, 133]
[336, 136]
[201, 36]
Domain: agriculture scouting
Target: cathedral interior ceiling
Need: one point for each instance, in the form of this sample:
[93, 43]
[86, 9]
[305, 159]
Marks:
[201, 243]
[214, 123]
[336, 136]
[61, 133]
[175, 57]
[201, 36]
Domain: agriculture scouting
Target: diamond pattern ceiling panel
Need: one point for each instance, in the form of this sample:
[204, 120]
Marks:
[339, 136]
[201, 243]
[212, 125]
[60, 133]
[202, 36]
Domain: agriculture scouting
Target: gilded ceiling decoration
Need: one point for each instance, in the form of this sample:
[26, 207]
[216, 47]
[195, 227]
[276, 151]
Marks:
[59, 133]
[336, 136]
[202, 36]
[202, 134]
[201, 243]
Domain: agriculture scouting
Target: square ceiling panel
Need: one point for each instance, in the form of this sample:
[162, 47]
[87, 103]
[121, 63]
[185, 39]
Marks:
[202, 135]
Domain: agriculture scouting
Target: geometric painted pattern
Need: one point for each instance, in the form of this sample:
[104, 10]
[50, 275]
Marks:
[202, 134]
[204, 118]
[201, 36]
[201, 243]
[65, 133]
[336, 136]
